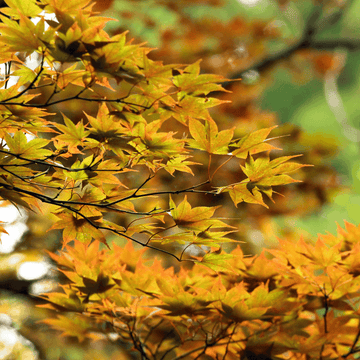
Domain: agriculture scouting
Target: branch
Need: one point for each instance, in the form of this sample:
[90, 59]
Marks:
[75, 97]
[137, 343]
[54, 165]
[353, 348]
[30, 85]
[67, 205]
[307, 41]
[166, 192]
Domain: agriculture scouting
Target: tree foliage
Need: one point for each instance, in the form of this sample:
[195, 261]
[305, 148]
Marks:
[141, 162]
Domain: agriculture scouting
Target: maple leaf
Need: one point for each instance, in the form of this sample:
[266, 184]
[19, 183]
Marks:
[212, 238]
[206, 137]
[27, 8]
[176, 301]
[70, 76]
[264, 172]
[112, 135]
[157, 73]
[67, 301]
[253, 143]
[262, 175]
[192, 107]
[89, 195]
[18, 199]
[321, 254]
[21, 37]
[77, 326]
[207, 238]
[69, 7]
[190, 82]
[181, 238]
[26, 75]
[98, 286]
[33, 149]
[72, 137]
[104, 173]
[198, 218]
[96, 171]
[179, 163]
[217, 261]
[240, 193]
[242, 311]
[31, 118]
[261, 268]
[239, 305]
[77, 228]
[161, 144]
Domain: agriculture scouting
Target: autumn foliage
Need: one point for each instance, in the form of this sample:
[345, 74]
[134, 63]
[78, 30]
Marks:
[120, 152]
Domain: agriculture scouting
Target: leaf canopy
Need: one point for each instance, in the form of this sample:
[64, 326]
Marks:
[134, 165]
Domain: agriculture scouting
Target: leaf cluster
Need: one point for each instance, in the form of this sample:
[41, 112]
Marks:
[81, 167]
[300, 302]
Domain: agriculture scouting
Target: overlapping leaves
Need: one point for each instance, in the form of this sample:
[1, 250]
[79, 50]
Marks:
[291, 308]
[104, 175]
[262, 174]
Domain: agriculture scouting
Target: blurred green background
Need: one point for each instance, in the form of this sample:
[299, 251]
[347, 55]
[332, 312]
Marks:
[336, 119]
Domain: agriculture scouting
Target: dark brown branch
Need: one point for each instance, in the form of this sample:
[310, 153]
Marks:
[166, 192]
[307, 41]
[137, 343]
[43, 162]
[67, 205]
[63, 203]
[29, 87]
[353, 349]
[7, 73]
[75, 97]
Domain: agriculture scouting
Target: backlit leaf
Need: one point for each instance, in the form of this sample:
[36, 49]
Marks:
[253, 143]
[198, 218]
[206, 137]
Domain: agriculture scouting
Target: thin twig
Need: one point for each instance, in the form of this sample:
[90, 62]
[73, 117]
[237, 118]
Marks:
[29, 87]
